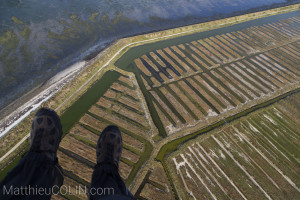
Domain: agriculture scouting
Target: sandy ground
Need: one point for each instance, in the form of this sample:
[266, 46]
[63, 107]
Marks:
[32, 100]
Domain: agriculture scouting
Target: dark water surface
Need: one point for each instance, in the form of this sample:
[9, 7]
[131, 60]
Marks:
[40, 38]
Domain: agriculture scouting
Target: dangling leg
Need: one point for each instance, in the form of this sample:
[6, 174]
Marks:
[106, 180]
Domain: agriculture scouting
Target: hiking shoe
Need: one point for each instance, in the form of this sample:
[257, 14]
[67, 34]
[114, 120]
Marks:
[46, 132]
[109, 146]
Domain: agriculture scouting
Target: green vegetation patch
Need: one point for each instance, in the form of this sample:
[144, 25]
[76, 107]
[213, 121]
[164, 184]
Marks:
[83, 104]
[25, 33]
[16, 20]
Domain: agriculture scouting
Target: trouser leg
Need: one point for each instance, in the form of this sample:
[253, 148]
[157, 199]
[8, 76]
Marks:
[33, 178]
[106, 181]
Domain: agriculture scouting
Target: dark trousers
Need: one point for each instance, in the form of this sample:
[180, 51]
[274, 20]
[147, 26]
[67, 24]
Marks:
[38, 177]
[107, 184]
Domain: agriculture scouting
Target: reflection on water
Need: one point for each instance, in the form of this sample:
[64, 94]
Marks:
[40, 38]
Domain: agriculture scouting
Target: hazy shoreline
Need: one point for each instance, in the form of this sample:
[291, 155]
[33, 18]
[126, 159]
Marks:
[18, 110]
[40, 71]
[38, 96]
[15, 112]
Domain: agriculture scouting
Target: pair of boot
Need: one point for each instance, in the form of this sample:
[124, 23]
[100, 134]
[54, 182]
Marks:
[46, 134]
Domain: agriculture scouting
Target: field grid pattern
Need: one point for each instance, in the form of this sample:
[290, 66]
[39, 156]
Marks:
[194, 81]
[121, 106]
[210, 115]
[194, 84]
[259, 153]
